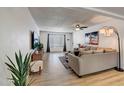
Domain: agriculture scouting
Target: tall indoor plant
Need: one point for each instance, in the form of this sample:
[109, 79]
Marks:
[19, 69]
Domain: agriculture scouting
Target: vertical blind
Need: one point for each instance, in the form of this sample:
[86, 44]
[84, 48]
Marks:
[56, 40]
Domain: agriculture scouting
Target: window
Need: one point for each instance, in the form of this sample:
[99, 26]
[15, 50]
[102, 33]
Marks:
[56, 40]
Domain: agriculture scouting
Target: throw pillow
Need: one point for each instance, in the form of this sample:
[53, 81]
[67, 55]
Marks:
[87, 48]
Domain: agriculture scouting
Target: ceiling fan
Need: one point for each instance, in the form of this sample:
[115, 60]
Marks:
[80, 27]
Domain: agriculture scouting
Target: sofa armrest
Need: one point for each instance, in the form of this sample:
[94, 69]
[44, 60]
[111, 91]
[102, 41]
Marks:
[73, 62]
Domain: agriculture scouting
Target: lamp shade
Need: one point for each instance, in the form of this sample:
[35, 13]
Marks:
[102, 31]
[111, 30]
[106, 31]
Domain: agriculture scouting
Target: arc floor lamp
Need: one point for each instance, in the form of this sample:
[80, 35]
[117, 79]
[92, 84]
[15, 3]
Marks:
[108, 31]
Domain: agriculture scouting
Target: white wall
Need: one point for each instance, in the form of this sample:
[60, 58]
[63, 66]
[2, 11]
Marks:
[110, 42]
[107, 42]
[69, 41]
[15, 26]
[43, 39]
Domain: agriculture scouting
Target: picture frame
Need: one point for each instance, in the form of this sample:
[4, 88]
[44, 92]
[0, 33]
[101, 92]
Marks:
[92, 38]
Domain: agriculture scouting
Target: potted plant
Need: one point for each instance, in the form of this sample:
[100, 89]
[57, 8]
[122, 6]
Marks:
[38, 46]
[19, 69]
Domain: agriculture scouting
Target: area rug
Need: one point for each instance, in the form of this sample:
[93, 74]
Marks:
[64, 62]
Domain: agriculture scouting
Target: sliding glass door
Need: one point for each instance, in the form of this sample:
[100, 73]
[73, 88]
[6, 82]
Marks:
[56, 42]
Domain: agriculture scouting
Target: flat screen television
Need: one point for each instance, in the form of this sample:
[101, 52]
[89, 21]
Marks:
[34, 39]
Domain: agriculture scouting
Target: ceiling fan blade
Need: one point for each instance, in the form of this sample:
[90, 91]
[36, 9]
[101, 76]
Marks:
[83, 27]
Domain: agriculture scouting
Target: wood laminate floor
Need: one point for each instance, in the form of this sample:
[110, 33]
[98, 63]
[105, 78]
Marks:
[55, 74]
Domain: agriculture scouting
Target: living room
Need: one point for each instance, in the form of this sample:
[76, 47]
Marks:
[70, 27]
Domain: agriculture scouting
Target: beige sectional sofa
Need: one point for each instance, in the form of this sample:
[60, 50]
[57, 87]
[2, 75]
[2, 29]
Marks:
[90, 63]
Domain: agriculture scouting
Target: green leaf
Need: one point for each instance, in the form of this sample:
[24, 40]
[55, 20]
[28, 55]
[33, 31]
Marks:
[20, 56]
[15, 81]
[25, 60]
[11, 61]
[16, 73]
[27, 63]
[18, 62]
[13, 70]
[21, 62]
[20, 72]
[24, 81]
[10, 66]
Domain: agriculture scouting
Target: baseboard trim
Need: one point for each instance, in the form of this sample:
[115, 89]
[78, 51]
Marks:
[119, 69]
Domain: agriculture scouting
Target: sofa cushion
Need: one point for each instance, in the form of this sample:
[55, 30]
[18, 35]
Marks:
[109, 50]
[93, 48]
[81, 49]
[99, 51]
[88, 52]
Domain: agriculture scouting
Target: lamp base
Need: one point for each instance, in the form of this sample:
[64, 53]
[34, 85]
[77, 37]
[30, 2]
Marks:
[119, 69]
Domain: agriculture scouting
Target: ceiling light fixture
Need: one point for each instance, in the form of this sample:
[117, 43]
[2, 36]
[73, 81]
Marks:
[79, 27]
[107, 31]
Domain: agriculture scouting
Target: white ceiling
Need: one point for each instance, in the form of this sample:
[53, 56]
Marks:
[113, 12]
[60, 19]
[117, 10]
